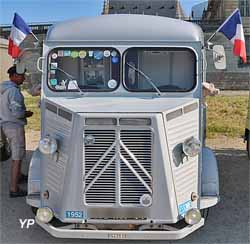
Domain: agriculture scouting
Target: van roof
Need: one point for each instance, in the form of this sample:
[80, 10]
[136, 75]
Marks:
[125, 27]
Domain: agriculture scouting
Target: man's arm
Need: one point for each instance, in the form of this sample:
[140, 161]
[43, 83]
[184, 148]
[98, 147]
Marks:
[16, 105]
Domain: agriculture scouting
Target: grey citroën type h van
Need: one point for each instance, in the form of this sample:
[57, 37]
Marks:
[122, 152]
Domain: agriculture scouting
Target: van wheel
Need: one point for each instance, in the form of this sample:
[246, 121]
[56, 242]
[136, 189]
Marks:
[34, 210]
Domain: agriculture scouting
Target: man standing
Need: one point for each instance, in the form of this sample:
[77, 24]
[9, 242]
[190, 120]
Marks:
[13, 116]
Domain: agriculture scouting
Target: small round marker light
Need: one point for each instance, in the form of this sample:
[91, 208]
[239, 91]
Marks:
[193, 216]
[44, 215]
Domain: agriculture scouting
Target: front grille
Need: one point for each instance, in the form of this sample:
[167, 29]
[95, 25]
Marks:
[118, 166]
[136, 153]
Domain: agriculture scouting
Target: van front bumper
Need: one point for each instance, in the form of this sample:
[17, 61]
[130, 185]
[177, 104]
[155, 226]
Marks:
[67, 232]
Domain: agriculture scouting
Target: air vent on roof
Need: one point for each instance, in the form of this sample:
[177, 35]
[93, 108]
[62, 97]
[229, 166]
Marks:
[52, 108]
[174, 114]
[190, 108]
[100, 121]
[64, 114]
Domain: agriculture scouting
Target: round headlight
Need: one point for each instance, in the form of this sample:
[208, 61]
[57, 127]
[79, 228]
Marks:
[191, 147]
[48, 145]
[193, 216]
[44, 215]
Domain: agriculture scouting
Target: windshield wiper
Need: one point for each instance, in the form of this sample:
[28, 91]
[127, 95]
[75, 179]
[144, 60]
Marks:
[149, 80]
[71, 79]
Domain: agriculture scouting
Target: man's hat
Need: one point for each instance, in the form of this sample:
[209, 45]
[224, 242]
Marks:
[12, 70]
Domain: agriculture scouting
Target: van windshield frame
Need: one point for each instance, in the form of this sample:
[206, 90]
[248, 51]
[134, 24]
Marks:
[135, 56]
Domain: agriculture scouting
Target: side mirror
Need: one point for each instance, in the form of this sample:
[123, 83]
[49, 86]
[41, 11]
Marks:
[20, 67]
[219, 57]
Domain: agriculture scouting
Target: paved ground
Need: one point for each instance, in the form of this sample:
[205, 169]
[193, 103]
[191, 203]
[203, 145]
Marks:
[228, 222]
[234, 93]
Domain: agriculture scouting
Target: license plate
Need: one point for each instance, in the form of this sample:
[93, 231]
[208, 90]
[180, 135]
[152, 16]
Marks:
[75, 215]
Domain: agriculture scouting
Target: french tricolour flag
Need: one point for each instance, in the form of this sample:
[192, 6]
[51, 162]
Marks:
[19, 31]
[232, 28]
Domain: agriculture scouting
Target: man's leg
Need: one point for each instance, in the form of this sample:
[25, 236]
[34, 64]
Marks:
[16, 137]
[15, 174]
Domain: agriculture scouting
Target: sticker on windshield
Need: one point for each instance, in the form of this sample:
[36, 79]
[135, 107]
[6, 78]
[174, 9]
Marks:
[112, 84]
[53, 82]
[91, 53]
[82, 54]
[74, 54]
[67, 53]
[113, 53]
[54, 65]
[60, 53]
[115, 60]
[106, 53]
[60, 87]
[72, 85]
[98, 55]
[54, 55]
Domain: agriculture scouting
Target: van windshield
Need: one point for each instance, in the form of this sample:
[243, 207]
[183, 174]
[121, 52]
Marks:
[94, 69]
[170, 69]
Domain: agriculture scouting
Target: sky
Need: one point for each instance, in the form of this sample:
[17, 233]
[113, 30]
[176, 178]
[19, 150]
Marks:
[35, 11]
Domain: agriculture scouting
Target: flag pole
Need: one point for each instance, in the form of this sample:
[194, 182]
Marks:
[212, 36]
[35, 36]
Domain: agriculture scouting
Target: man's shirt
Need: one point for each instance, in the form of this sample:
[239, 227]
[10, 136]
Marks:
[12, 107]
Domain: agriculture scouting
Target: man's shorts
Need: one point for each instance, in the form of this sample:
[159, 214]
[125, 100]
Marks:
[16, 138]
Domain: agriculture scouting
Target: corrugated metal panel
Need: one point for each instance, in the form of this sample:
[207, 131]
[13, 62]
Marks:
[58, 128]
[137, 150]
[100, 178]
[55, 174]
[185, 174]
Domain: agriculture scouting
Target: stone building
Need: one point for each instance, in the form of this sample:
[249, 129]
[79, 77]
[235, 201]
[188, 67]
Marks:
[167, 8]
[5, 59]
[237, 74]
[30, 57]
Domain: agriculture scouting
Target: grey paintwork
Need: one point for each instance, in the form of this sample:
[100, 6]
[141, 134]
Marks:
[120, 104]
[129, 28]
[63, 173]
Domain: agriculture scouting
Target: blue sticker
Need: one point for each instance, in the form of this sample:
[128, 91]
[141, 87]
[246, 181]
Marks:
[91, 53]
[114, 53]
[184, 207]
[98, 55]
[76, 215]
[53, 82]
[115, 60]
[67, 53]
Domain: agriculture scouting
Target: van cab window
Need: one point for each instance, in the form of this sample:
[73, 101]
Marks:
[94, 69]
[170, 69]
